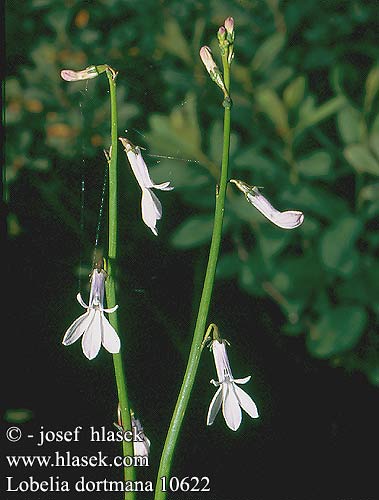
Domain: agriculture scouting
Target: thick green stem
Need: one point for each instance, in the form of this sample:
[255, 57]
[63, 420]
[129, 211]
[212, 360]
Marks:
[129, 473]
[196, 347]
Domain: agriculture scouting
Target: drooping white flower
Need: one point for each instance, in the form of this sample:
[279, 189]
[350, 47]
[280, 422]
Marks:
[150, 205]
[228, 396]
[141, 445]
[286, 220]
[93, 326]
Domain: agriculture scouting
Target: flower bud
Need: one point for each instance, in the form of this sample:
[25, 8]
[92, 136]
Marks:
[86, 74]
[207, 58]
[221, 34]
[212, 68]
[229, 26]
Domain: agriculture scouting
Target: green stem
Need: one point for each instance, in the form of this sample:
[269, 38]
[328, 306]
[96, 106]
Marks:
[127, 447]
[196, 347]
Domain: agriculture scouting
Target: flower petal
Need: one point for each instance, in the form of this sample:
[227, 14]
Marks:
[91, 340]
[109, 339]
[242, 380]
[81, 301]
[230, 406]
[221, 360]
[286, 220]
[215, 406]
[165, 186]
[138, 165]
[143, 170]
[141, 448]
[96, 296]
[72, 76]
[246, 402]
[110, 309]
[151, 210]
[77, 329]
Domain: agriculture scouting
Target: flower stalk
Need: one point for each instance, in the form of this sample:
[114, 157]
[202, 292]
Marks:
[129, 473]
[198, 335]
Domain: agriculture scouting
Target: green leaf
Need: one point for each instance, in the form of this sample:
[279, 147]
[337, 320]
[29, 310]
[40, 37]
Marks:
[228, 266]
[311, 116]
[176, 134]
[181, 174]
[349, 122]
[294, 92]
[260, 165]
[298, 277]
[271, 240]
[338, 330]
[18, 415]
[310, 228]
[374, 143]
[315, 200]
[252, 273]
[363, 287]
[279, 76]
[194, 231]
[375, 124]
[266, 54]
[293, 330]
[372, 86]
[173, 41]
[270, 104]
[337, 245]
[216, 142]
[316, 165]
[243, 209]
[370, 192]
[361, 158]
[373, 374]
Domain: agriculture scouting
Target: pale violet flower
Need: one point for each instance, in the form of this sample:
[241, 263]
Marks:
[141, 444]
[150, 205]
[93, 325]
[286, 220]
[228, 396]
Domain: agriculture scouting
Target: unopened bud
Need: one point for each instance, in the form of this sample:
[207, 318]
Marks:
[86, 74]
[221, 34]
[212, 68]
[207, 58]
[229, 26]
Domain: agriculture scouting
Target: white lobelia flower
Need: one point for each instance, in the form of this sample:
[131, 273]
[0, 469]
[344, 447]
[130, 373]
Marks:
[231, 397]
[93, 325]
[286, 220]
[150, 205]
[141, 445]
